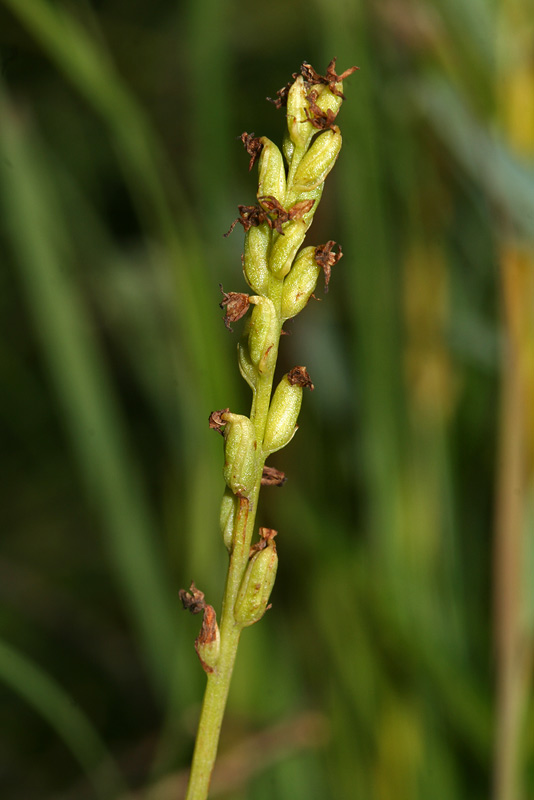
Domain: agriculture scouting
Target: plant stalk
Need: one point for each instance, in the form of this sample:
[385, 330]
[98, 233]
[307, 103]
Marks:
[218, 683]
[283, 283]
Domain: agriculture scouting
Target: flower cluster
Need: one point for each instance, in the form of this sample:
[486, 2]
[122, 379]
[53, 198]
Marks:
[282, 275]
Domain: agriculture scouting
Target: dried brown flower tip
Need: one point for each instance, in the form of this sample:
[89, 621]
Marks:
[209, 635]
[322, 120]
[281, 94]
[312, 78]
[278, 213]
[208, 630]
[236, 303]
[272, 477]
[274, 214]
[249, 217]
[330, 79]
[326, 258]
[253, 146]
[192, 599]
[216, 421]
[266, 536]
[298, 376]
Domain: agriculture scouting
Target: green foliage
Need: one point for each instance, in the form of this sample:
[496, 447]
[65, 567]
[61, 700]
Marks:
[372, 675]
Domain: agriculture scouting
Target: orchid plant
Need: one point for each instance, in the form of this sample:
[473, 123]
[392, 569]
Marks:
[282, 277]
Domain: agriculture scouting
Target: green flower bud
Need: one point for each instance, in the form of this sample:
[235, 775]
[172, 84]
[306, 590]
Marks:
[239, 453]
[272, 174]
[256, 586]
[255, 268]
[264, 334]
[227, 517]
[300, 129]
[318, 161]
[328, 101]
[300, 283]
[285, 248]
[282, 417]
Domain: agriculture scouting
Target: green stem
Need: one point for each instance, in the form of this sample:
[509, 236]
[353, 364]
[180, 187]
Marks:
[218, 684]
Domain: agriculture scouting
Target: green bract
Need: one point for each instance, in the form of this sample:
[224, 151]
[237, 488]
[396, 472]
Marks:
[247, 369]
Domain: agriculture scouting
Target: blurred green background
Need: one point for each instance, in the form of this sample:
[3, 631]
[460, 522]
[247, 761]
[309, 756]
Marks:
[396, 661]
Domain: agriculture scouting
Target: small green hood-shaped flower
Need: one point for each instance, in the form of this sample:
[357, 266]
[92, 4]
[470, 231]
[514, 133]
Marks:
[286, 247]
[272, 174]
[282, 417]
[327, 101]
[264, 334]
[255, 268]
[239, 453]
[300, 283]
[256, 586]
[300, 129]
[318, 161]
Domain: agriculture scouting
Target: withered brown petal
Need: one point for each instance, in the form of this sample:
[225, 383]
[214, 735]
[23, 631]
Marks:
[326, 258]
[272, 477]
[236, 303]
[299, 209]
[216, 421]
[272, 204]
[253, 146]
[281, 94]
[208, 631]
[192, 599]
[298, 376]
[266, 536]
[330, 79]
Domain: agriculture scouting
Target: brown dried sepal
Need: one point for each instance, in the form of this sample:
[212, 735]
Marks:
[279, 215]
[312, 78]
[330, 79]
[326, 258]
[272, 477]
[253, 146]
[216, 420]
[192, 599]
[207, 635]
[281, 95]
[322, 120]
[249, 217]
[236, 304]
[274, 214]
[266, 536]
[298, 376]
